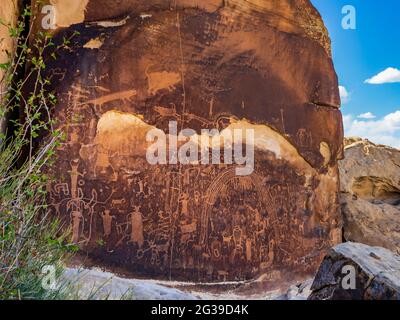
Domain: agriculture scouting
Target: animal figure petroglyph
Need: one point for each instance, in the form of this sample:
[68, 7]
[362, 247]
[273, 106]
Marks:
[164, 112]
[77, 219]
[162, 80]
[125, 96]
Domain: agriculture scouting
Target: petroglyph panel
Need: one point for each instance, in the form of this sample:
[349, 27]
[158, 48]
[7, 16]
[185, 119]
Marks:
[221, 65]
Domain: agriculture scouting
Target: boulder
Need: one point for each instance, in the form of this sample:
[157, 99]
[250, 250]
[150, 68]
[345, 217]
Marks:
[299, 292]
[96, 284]
[137, 65]
[354, 271]
[370, 194]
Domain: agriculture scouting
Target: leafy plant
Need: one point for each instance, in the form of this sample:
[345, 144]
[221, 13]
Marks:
[29, 239]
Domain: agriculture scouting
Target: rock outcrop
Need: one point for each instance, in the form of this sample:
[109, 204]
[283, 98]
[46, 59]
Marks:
[95, 284]
[376, 273]
[263, 65]
[299, 292]
[370, 194]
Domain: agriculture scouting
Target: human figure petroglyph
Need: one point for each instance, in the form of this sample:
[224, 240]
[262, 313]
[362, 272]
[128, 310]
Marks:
[211, 107]
[184, 201]
[304, 138]
[80, 208]
[137, 227]
[242, 234]
[75, 174]
[77, 219]
[249, 246]
[197, 198]
[107, 222]
[271, 250]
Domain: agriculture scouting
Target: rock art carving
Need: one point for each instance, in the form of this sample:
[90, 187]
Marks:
[261, 64]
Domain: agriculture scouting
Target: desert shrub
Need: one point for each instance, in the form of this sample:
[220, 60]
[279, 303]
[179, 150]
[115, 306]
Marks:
[29, 238]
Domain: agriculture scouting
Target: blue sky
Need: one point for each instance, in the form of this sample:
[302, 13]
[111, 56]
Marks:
[370, 110]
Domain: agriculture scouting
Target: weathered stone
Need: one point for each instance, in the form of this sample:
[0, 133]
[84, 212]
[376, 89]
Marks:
[97, 284]
[370, 171]
[370, 186]
[136, 65]
[100, 285]
[300, 292]
[377, 274]
[351, 140]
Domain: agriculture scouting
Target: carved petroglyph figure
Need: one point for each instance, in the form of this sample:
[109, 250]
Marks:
[137, 227]
[77, 219]
[74, 173]
[162, 80]
[107, 222]
[184, 200]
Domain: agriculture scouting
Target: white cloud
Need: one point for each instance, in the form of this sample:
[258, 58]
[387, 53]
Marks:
[385, 130]
[368, 115]
[390, 75]
[344, 94]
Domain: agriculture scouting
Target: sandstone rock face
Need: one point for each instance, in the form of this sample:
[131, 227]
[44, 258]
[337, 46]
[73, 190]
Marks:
[137, 65]
[370, 186]
[8, 18]
[377, 274]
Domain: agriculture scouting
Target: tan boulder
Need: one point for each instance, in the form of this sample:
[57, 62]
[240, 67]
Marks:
[370, 194]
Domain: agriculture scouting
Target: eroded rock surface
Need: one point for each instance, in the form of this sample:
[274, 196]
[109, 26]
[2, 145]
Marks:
[370, 194]
[136, 65]
[377, 274]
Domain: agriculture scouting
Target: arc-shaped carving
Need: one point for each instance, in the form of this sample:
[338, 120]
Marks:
[214, 191]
